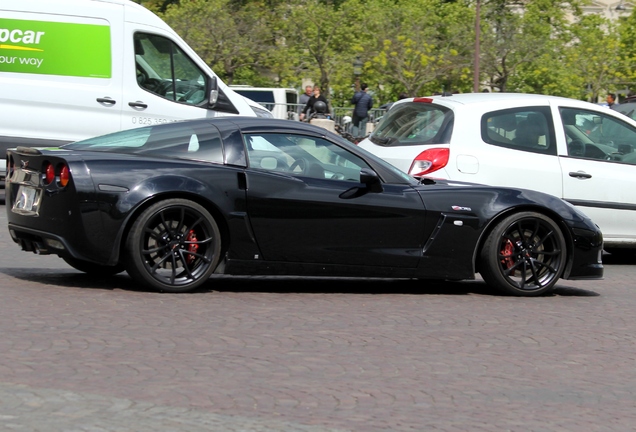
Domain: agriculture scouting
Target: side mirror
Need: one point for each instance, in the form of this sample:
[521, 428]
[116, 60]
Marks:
[214, 92]
[371, 180]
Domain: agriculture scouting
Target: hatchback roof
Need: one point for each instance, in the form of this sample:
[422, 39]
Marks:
[489, 98]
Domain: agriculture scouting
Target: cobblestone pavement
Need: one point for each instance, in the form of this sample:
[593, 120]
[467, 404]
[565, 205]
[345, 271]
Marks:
[288, 354]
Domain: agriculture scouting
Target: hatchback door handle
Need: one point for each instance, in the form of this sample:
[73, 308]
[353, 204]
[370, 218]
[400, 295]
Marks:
[580, 174]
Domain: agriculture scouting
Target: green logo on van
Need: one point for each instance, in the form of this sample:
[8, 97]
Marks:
[55, 48]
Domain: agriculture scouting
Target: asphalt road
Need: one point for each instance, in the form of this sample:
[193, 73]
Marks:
[304, 354]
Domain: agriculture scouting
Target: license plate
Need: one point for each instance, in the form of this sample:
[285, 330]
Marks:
[25, 200]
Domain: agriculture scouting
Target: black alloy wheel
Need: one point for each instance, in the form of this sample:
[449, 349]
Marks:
[173, 246]
[524, 255]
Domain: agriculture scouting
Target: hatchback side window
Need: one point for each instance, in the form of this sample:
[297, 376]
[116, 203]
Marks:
[165, 70]
[528, 129]
[594, 135]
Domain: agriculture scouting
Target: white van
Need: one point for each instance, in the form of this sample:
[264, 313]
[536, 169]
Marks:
[72, 69]
[282, 102]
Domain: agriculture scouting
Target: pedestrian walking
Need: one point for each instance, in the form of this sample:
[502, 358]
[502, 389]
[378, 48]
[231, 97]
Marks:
[363, 102]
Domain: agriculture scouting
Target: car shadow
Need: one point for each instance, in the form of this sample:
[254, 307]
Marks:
[280, 284]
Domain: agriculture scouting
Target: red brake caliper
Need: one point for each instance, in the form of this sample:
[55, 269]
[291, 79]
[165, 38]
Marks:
[506, 252]
[192, 248]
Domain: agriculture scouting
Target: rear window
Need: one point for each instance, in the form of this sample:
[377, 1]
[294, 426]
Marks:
[414, 123]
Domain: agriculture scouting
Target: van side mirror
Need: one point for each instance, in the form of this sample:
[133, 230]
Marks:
[214, 92]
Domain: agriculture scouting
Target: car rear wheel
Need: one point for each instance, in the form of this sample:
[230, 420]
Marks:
[173, 246]
[524, 255]
[92, 268]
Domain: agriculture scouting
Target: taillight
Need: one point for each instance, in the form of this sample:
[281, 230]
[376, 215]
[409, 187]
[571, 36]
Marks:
[49, 173]
[65, 175]
[422, 99]
[429, 161]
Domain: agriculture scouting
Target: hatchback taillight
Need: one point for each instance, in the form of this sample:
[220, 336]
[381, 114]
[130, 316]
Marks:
[429, 161]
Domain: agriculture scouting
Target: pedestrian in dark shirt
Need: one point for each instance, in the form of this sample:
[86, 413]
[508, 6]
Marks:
[309, 108]
[611, 101]
[363, 102]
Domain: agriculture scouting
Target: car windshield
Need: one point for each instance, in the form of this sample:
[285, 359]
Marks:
[414, 123]
[629, 109]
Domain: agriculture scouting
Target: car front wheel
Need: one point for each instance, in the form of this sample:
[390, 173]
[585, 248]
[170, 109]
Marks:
[524, 255]
[173, 246]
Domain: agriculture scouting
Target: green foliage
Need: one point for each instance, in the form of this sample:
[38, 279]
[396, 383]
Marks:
[416, 47]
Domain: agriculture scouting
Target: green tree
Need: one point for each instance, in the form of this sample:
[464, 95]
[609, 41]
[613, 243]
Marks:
[421, 46]
[319, 35]
[627, 34]
[594, 55]
[236, 39]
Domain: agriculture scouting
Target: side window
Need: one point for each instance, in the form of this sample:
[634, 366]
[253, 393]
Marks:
[303, 156]
[165, 70]
[263, 97]
[594, 135]
[529, 129]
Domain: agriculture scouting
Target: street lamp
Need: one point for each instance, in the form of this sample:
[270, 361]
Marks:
[357, 71]
[477, 37]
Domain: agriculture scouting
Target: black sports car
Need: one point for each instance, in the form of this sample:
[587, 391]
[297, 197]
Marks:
[171, 204]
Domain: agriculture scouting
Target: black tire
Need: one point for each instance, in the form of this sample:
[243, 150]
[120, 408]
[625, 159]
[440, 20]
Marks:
[524, 255]
[173, 246]
[92, 268]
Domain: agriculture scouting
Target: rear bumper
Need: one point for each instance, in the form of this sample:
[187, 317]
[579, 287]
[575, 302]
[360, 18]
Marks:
[39, 242]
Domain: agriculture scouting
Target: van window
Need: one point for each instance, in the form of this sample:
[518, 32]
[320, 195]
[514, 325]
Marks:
[264, 97]
[165, 70]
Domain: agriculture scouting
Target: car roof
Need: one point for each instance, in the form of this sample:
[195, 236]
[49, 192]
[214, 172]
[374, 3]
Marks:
[457, 99]
[258, 123]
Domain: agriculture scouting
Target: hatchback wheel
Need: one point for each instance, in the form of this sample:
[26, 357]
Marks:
[524, 255]
[173, 246]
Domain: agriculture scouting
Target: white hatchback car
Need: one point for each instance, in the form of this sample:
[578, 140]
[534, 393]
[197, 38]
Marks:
[578, 151]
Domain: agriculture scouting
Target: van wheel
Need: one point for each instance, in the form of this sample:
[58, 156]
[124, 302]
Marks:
[524, 255]
[173, 246]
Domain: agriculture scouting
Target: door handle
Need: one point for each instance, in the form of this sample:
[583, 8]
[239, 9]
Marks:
[137, 104]
[106, 100]
[580, 174]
